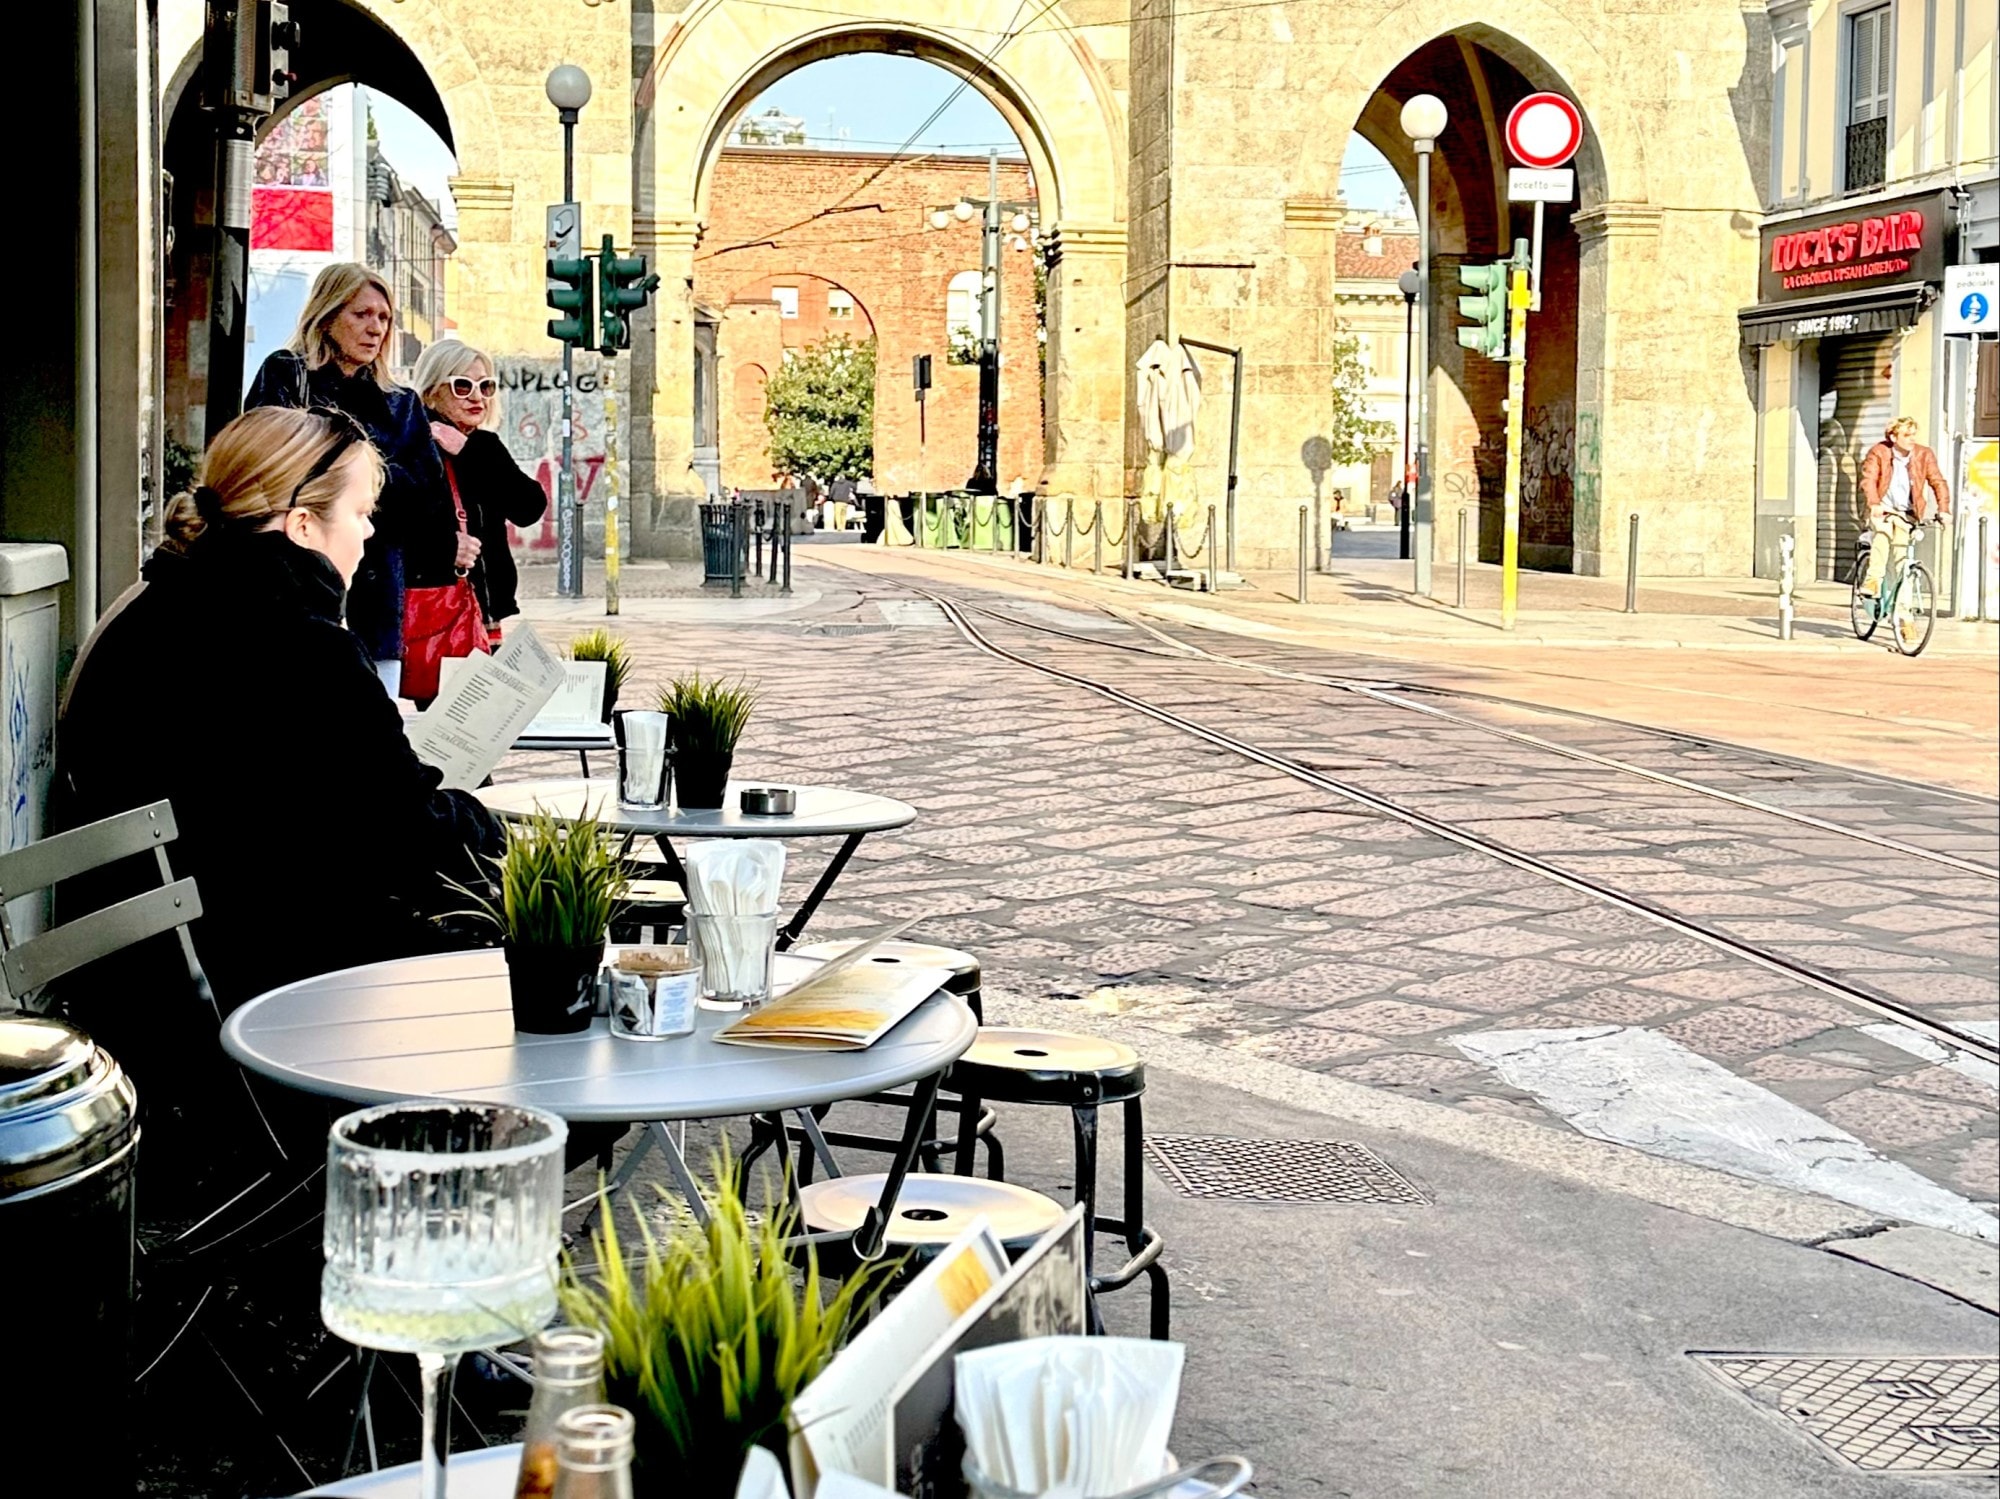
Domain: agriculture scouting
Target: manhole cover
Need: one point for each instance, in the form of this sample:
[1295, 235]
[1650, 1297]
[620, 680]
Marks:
[1228, 1169]
[1907, 1415]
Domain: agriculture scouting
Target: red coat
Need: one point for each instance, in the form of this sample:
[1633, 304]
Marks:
[1926, 479]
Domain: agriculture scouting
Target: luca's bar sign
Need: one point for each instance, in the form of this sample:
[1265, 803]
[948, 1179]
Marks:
[1854, 248]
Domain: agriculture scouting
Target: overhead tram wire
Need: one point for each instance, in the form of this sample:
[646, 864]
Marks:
[1881, 1004]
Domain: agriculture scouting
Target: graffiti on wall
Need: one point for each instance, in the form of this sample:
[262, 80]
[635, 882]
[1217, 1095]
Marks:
[1585, 477]
[531, 426]
[1548, 471]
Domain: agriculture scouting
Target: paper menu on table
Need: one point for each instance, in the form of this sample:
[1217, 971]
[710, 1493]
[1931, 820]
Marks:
[845, 1011]
[489, 701]
[840, 1422]
[576, 710]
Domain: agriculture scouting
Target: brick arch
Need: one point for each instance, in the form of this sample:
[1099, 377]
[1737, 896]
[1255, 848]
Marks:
[1045, 82]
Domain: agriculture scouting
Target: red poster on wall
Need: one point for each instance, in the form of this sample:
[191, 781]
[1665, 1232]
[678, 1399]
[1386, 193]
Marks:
[291, 218]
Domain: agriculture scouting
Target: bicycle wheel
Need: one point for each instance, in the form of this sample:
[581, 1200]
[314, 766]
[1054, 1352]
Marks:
[1861, 609]
[1913, 611]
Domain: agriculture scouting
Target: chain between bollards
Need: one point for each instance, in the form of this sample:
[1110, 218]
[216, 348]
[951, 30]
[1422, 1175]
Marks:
[1305, 547]
[1462, 528]
[1632, 568]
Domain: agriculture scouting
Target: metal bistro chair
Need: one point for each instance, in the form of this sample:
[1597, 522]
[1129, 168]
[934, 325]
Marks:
[267, 1199]
[1055, 1069]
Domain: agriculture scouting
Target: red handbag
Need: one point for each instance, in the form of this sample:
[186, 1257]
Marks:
[440, 622]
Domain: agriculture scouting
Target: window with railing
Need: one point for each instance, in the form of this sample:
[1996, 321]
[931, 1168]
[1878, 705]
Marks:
[1865, 158]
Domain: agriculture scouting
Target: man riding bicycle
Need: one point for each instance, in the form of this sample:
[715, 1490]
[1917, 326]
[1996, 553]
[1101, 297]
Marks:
[1898, 477]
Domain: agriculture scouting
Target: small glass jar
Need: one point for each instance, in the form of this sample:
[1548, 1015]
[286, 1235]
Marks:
[594, 1453]
[735, 953]
[569, 1375]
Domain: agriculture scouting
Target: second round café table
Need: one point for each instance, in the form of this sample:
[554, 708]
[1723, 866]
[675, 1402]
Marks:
[442, 1026]
[822, 812]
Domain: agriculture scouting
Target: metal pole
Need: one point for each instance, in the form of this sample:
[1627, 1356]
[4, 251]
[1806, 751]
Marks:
[923, 514]
[1235, 431]
[1170, 543]
[1463, 513]
[1211, 549]
[1305, 546]
[737, 546]
[1979, 564]
[1131, 539]
[1069, 533]
[1957, 586]
[1787, 582]
[1097, 537]
[1404, 511]
[1420, 540]
[993, 526]
[786, 586]
[611, 558]
[1517, 391]
[569, 510]
[775, 505]
[986, 472]
[1632, 567]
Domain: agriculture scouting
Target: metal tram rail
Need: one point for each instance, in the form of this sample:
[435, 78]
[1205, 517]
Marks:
[1384, 692]
[1867, 999]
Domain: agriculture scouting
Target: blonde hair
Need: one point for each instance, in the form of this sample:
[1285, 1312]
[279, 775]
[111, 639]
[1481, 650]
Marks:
[257, 464]
[1902, 424]
[443, 362]
[332, 289]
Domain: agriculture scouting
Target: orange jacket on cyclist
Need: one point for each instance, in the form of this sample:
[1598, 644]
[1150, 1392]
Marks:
[1899, 475]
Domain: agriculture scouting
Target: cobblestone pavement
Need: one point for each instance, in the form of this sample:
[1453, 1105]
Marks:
[1093, 856]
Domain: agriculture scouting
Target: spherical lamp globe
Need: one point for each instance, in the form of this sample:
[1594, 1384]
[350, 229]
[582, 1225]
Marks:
[568, 87]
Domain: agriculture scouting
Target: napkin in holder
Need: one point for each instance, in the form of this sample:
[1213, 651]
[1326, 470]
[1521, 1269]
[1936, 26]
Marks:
[732, 903]
[1067, 1417]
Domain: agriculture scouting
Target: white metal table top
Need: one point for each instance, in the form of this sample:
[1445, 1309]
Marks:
[441, 1027]
[823, 811]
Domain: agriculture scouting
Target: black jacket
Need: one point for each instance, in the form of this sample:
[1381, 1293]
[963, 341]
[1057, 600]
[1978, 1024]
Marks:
[315, 836]
[415, 529]
[496, 490]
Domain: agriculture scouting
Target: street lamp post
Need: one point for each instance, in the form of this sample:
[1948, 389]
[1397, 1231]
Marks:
[568, 88]
[1408, 284]
[1423, 119]
[994, 222]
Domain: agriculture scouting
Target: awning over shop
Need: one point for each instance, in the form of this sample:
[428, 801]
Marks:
[1877, 310]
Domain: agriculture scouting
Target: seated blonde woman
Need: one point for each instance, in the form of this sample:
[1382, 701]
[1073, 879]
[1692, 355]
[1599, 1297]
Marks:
[461, 395]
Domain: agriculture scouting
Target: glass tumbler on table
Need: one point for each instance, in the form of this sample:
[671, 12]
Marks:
[443, 1229]
[735, 953]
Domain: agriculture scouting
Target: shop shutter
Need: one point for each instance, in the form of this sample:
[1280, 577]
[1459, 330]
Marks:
[1854, 410]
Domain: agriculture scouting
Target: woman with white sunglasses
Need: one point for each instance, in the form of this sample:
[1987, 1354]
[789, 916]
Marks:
[461, 394]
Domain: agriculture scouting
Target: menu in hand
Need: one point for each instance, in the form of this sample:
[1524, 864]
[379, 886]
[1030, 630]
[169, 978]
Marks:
[848, 1003]
[483, 708]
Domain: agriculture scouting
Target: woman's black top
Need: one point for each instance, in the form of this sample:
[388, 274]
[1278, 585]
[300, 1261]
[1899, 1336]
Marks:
[496, 490]
[416, 532]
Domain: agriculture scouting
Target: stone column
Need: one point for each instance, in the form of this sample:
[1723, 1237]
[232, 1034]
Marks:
[1619, 249]
[1085, 432]
[665, 487]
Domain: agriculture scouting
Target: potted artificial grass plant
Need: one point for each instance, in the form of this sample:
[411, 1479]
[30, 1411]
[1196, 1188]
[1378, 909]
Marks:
[602, 645]
[710, 1334]
[560, 886]
[708, 716]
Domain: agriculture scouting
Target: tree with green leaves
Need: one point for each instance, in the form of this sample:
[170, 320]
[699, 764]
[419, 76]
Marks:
[1353, 434]
[820, 410]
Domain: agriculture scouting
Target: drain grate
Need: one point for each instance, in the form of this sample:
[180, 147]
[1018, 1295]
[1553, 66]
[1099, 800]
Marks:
[1233, 1170]
[1905, 1415]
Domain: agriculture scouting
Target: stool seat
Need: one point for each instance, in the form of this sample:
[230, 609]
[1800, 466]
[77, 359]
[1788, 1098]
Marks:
[1007, 1065]
[931, 1209]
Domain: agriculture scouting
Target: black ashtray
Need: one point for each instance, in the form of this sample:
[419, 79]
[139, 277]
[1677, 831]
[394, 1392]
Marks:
[769, 801]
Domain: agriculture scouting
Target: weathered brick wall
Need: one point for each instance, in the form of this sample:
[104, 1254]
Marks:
[877, 246]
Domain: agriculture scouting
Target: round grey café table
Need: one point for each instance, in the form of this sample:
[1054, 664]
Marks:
[441, 1026]
[822, 812]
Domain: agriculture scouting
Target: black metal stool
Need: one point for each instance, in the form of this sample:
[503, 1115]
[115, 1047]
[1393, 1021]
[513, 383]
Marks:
[1055, 1069]
[653, 908]
[965, 983]
[931, 1211]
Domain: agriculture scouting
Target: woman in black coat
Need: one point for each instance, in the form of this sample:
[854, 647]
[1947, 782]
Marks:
[227, 686]
[339, 358]
[460, 392]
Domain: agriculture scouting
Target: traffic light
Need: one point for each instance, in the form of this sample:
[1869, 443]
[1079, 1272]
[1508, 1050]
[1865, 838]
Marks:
[1488, 310]
[571, 283]
[625, 285]
[280, 35]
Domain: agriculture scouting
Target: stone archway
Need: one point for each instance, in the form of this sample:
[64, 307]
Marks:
[1050, 84]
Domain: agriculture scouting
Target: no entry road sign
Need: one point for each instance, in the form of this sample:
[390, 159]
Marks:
[1544, 130]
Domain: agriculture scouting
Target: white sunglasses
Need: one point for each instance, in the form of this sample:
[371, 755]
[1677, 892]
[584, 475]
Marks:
[464, 385]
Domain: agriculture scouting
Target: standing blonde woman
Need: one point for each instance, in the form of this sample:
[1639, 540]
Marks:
[339, 359]
[460, 394]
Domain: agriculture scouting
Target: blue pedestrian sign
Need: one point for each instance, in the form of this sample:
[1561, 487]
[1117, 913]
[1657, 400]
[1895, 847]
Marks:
[1970, 295]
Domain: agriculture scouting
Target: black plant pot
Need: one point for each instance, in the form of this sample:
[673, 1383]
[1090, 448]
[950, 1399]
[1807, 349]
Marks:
[700, 781]
[553, 989]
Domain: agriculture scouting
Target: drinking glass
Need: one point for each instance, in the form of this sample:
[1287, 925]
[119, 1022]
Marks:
[642, 758]
[443, 1228]
[735, 953]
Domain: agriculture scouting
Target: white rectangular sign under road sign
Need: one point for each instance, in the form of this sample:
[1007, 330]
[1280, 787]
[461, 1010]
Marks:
[1971, 293]
[1527, 185]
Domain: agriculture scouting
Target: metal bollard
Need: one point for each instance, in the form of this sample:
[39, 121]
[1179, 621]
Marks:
[776, 507]
[1170, 543]
[786, 585]
[1210, 549]
[1787, 581]
[1069, 534]
[738, 545]
[1462, 527]
[1632, 568]
[1097, 538]
[993, 528]
[1131, 539]
[1979, 563]
[757, 538]
[1305, 546]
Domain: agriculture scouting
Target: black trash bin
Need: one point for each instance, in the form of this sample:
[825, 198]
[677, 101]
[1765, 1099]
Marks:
[718, 542]
[69, 1138]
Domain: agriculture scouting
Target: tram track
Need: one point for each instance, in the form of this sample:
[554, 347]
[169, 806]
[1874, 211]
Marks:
[1859, 995]
[1385, 693]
